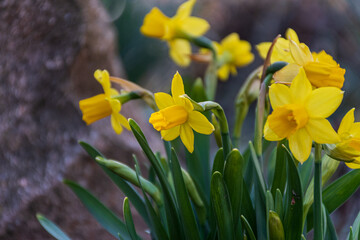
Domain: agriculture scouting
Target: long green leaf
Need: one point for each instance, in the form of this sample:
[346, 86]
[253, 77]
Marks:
[258, 173]
[260, 197]
[219, 161]
[129, 220]
[102, 214]
[294, 202]
[52, 228]
[222, 207]
[337, 193]
[279, 179]
[155, 224]
[247, 209]
[234, 179]
[186, 212]
[124, 186]
[341, 189]
[172, 214]
[330, 233]
[249, 231]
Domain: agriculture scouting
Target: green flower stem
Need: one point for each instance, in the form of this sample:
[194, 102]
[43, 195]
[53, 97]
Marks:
[125, 97]
[220, 114]
[129, 174]
[224, 127]
[243, 100]
[211, 72]
[260, 114]
[317, 194]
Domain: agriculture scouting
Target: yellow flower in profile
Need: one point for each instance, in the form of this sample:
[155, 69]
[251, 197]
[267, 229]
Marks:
[320, 68]
[348, 150]
[103, 105]
[281, 51]
[299, 114]
[232, 53]
[175, 29]
[177, 116]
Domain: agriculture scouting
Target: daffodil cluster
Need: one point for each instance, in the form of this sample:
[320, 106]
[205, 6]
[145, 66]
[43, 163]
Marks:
[182, 29]
[300, 110]
[228, 196]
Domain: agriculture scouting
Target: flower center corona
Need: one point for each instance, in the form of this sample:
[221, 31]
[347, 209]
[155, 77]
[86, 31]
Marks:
[285, 120]
[169, 117]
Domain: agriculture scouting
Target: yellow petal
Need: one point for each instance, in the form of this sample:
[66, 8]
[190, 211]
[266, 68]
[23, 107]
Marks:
[187, 137]
[180, 51]
[269, 134]
[223, 72]
[323, 74]
[263, 49]
[300, 53]
[163, 100]
[185, 9]
[300, 145]
[354, 165]
[287, 73]
[155, 23]
[279, 95]
[300, 87]
[200, 123]
[104, 79]
[321, 131]
[291, 35]
[177, 88]
[194, 26]
[115, 105]
[123, 121]
[347, 122]
[322, 102]
[116, 124]
[170, 134]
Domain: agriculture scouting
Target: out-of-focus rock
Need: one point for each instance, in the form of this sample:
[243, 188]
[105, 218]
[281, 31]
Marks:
[49, 51]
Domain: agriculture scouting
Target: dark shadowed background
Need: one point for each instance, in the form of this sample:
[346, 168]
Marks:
[49, 50]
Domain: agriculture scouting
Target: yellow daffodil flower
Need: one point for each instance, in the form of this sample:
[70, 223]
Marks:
[281, 51]
[299, 114]
[348, 150]
[320, 68]
[174, 30]
[232, 52]
[103, 105]
[177, 116]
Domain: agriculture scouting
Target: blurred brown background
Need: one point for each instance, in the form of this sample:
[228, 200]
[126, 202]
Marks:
[49, 50]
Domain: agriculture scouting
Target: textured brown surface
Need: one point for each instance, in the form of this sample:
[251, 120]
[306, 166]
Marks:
[49, 51]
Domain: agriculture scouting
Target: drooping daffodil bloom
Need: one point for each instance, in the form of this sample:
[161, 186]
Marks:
[177, 116]
[175, 30]
[232, 53]
[103, 105]
[348, 150]
[320, 68]
[299, 115]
